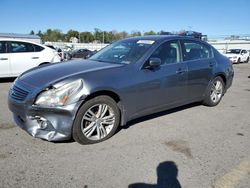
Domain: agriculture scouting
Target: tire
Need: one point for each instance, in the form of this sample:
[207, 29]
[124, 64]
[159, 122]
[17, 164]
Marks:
[214, 95]
[238, 61]
[247, 60]
[96, 121]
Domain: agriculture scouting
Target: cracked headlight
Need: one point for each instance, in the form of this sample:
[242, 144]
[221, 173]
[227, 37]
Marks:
[59, 96]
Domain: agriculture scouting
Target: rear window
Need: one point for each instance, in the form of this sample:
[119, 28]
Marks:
[38, 48]
[18, 47]
[233, 51]
[193, 50]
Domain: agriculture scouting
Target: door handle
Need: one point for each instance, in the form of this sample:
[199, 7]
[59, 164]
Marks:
[211, 64]
[181, 71]
[35, 57]
[3, 59]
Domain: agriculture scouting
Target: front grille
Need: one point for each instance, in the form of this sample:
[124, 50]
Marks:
[18, 93]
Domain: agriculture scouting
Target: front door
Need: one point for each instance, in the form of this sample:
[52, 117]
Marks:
[165, 85]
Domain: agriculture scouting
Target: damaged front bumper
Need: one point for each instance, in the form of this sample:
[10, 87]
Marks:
[52, 124]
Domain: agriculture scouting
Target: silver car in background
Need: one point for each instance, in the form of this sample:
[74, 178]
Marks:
[89, 99]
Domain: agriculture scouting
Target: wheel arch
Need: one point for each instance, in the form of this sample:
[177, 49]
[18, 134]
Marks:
[44, 63]
[220, 74]
[109, 93]
[223, 76]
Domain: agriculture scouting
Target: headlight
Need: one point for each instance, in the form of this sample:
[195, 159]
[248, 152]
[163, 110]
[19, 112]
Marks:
[60, 96]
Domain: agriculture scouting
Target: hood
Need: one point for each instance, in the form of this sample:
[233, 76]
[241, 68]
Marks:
[49, 74]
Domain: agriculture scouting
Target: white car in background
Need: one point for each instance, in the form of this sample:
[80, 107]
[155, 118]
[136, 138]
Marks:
[238, 55]
[17, 56]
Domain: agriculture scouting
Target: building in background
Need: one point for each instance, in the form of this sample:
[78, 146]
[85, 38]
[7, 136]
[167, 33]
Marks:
[32, 38]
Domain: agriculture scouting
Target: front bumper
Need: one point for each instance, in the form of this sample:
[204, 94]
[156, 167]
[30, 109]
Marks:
[52, 124]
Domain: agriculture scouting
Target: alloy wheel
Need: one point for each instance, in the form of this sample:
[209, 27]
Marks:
[98, 121]
[216, 91]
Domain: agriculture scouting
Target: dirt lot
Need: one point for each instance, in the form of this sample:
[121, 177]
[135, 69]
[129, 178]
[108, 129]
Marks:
[190, 147]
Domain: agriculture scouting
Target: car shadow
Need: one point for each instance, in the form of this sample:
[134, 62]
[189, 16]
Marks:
[71, 140]
[158, 114]
[167, 173]
[6, 80]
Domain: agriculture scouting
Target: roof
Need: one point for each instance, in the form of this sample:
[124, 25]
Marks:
[21, 40]
[161, 37]
[15, 35]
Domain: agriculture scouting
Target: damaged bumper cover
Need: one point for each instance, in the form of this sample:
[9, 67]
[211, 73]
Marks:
[52, 124]
[45, 123]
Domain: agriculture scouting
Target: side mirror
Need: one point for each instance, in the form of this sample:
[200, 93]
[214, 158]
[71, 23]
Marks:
[153, 63]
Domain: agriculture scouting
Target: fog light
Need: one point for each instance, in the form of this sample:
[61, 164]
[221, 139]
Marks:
[42, 124]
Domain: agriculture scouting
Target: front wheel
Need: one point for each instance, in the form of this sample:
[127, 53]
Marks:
[214, 92]
[238, 61]
[96, 120]
[247, 60]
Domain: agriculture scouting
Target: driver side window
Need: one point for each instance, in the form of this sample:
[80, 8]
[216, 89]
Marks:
[168, 52]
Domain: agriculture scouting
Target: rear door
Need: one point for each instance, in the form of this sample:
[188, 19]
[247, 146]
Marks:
[200, 63]
[22, 57]
[4, 60]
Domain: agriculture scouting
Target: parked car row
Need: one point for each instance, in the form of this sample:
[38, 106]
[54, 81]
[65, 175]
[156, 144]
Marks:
[82, 53]
[238, 55]
[64, 55]
[17, 56]
[69, 53]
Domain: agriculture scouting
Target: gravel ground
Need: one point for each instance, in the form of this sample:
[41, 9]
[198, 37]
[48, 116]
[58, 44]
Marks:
[191, 147]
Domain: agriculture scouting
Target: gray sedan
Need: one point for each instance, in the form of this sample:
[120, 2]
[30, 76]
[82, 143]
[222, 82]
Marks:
[89, 99]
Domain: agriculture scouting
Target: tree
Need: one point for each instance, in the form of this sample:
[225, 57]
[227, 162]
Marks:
[53, 35]
[149, 33]
[135, 33]
[86, 37]
[72, 33]
[40, 34]
[98, 34]
[32, 32]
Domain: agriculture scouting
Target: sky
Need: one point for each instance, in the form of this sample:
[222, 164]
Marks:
[211, 17]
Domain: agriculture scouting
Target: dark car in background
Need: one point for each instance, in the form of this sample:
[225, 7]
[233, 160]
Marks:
[81, 53]
[89, 99]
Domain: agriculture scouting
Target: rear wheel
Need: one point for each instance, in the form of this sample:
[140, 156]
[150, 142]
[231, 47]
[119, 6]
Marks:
[214, 92]
[96, 121]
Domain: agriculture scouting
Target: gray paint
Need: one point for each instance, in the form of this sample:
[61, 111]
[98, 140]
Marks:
[141, 91]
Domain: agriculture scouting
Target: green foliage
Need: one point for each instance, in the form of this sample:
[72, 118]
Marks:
[53, 35]
[32, 32]
[150, 33]
[98, 35]
[72, 33]
[86, 37]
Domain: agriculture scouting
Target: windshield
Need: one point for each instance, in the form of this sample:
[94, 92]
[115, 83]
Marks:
[123, 52]
[233, 51]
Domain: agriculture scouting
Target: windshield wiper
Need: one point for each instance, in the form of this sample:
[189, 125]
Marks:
[104, 61]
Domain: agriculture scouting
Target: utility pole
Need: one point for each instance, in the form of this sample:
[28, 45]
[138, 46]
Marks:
[103, 37]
